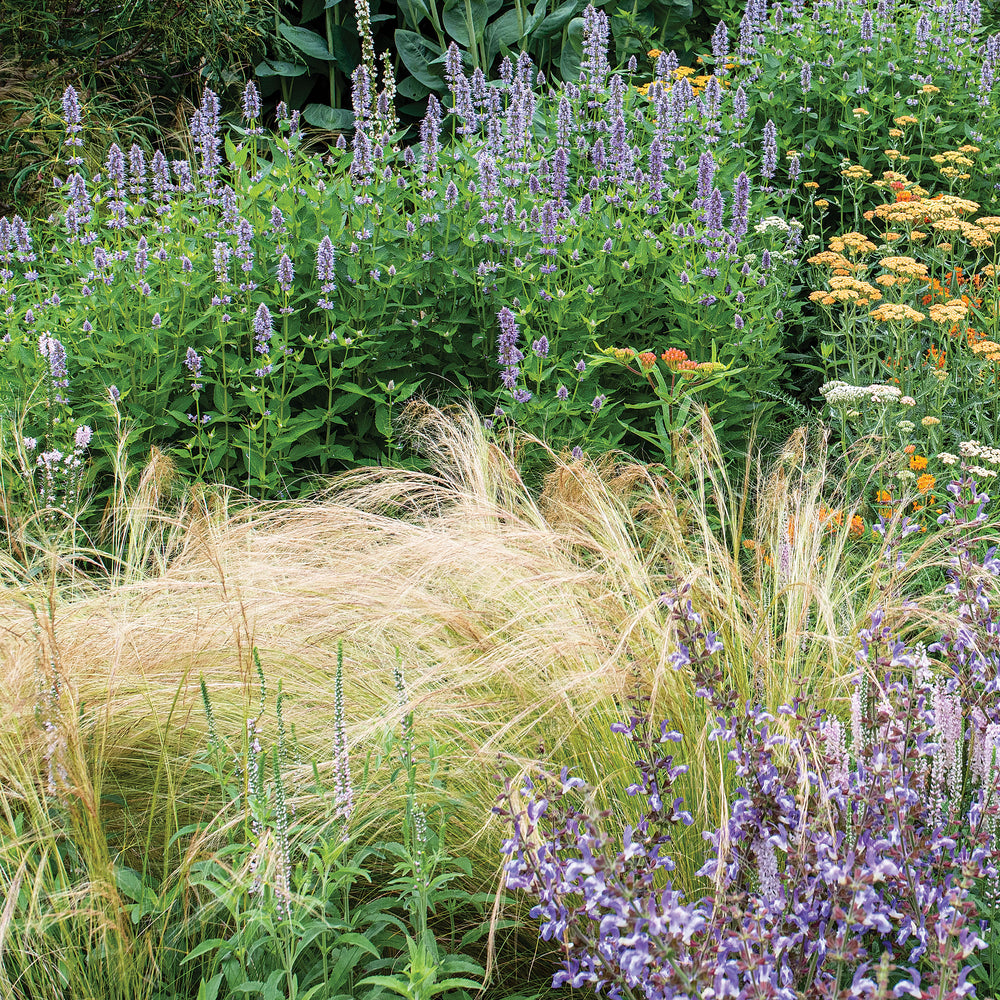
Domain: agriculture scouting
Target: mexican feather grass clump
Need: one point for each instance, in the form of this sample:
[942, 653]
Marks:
[523, 620]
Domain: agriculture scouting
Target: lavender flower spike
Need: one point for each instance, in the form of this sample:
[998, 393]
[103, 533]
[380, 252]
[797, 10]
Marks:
[769, 162]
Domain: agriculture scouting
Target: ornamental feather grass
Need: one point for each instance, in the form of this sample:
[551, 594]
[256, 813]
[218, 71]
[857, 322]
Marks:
[524, 620]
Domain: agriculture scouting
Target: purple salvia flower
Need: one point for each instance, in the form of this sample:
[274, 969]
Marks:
[343, 802]
[286, 273]
[244, 250]
[769, 161]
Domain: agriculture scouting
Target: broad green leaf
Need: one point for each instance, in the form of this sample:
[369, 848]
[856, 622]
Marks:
[559, 18]
[503, 32]
[456, 23]
[417, 53]
[572, 53]
[307, 42]
[412, 89]
[278, 67]
[333, 119]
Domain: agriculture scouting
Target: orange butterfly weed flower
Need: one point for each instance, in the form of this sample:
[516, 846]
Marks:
[918, 463]
[925, 483]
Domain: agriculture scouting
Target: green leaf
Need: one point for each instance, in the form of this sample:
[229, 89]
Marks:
[503, 32]
[278, 67]
[455, 22]
[332, 119]
[307, 42]
[414, 11]
[412, 89]
[572, 53]
[417, 53]
[203, 949]
[559, 18]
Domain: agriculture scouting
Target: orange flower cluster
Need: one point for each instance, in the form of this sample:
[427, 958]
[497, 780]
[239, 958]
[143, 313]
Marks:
[918, 463]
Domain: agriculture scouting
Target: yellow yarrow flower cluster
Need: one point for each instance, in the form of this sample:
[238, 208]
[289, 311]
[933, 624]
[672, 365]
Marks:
[950, 312]
[972, 234]
[847, 289]
[856, 244]
[896, 312]
[989, 224]
[904, 266]
[856, 172]
[989, 349]
[903, 120]
[837, 261]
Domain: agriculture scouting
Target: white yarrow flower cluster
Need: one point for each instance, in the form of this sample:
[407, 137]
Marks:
[839, 393]
[973, 449]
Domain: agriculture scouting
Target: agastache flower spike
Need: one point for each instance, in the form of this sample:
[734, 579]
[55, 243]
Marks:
[508, 353]
[74, 125]
[286, 273]
[769, 161]
[720, 47]
[263, 329]
[251, 105]
[137, 174]
[325, 271]
[741, 206]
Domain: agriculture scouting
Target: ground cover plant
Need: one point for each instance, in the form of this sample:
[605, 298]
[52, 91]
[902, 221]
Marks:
[278, 630]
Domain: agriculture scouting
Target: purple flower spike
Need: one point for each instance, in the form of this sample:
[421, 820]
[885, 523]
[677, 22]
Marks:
[769, 162]
[263, 328]
[286, 273]
[251, 102]
[508, 353]
[325, 261]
